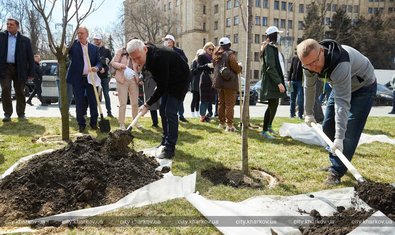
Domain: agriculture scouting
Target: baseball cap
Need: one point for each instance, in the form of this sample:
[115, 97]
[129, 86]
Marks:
[97, 36]
[272, 29]
[171, 37]
[224, 41]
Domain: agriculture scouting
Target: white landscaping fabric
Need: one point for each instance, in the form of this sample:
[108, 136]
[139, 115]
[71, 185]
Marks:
[280, 214]
[307, 135]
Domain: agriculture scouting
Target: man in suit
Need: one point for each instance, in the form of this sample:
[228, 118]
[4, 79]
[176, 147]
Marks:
[81, 55]
[16, 66]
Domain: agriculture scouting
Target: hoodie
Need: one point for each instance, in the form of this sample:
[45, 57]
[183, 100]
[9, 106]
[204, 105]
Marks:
[346, 70]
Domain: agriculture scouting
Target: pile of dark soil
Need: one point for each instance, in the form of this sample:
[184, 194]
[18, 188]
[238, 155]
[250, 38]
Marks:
[86, 173]
[234, 178]
[378, 196]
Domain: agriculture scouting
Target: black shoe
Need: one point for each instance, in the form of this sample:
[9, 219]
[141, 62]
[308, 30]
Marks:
[332, 179]
[155, 125]
[392, 112]
[182, 119]
[22, 117]
[29, 103]
[110, 115]
[7, 118]
[81, 129]
[94, 127]
[166, 155]
[44, 104]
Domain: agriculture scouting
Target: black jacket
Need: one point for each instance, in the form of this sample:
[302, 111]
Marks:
[296, 70]
[23, 56]
[170, 72]
[181, 53]
[104, 54]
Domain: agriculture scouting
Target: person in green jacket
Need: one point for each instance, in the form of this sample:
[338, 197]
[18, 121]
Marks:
[273, 86]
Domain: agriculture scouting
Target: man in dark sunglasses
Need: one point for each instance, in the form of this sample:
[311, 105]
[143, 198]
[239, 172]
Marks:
[352, 78]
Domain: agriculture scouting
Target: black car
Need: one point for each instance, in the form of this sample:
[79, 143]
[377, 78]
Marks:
[384, 96]
[257, 88]
[253, 94]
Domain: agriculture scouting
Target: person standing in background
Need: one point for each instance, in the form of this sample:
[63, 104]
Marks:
[105, 58]
[169, 41]
[393, 97]
[16, 66]
[195, 72]
[295, 82]
[38, 79]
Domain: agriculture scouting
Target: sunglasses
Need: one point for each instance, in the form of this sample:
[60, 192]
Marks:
[211, 49]
[305, 66]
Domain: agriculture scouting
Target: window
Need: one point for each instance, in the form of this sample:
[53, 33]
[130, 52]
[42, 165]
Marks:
[276, 5]
[215, 41]
[301, 8]
[237, 3]
[257, 38]
[334, 7]
[169, 6]
[390, 9]
[257, 20]
[265, 3]
[256, 74]
[344, 7]
[263, 38]
[300, 25]
[327, 21]
[204, 26]
[283, 6]
[276, 22]
[282, 23]
[177, 2]
[215, 25]
[215, 8]
[204, 41]
[236, 38]
[164, 7]
[356, 9]
[370, 10]
[290, 6]
[204, 9]
[328, 7]
[228, 5]
[264, 21]
[228, 22]
[256, 56]
[349, 8]
[257, 3]
[236, 20]
[290, 24]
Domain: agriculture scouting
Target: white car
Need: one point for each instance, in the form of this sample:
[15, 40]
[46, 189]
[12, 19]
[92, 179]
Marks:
[50, 92]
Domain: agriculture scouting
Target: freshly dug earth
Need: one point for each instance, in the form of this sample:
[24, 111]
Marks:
[234, 178]
[86, 173]
[377, 195]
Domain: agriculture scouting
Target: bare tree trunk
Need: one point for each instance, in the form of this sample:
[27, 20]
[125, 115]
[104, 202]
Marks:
[64, 109]
[245, 117]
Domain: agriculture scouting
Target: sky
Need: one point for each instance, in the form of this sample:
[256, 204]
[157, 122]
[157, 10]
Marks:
[105, 16]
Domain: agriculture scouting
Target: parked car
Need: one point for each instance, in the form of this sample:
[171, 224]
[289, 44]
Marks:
[12, 92]
[257, 88]
[253, 94]
[384, 96]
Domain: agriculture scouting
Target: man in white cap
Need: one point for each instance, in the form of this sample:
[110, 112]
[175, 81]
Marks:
[16, 66]
[169, 41]
[105, 58]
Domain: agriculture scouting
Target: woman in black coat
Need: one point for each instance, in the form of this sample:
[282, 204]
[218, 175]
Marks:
[207, 92]
[195, 81]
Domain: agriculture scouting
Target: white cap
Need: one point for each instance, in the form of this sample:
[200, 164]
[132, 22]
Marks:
[171, 37]
[97, 36]
[13, 18]
[129, 73]
[224, 41]
[272, 29]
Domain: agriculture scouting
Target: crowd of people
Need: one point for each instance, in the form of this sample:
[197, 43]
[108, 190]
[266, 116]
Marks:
[343, 73]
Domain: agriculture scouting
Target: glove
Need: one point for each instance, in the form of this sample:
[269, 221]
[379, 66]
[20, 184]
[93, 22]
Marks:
[337, 144]
[210, 65]
[308, 119]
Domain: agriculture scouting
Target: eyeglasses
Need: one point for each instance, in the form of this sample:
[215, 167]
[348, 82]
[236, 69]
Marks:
[211, 49]
[305, 66]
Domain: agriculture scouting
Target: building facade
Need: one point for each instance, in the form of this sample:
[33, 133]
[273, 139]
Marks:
[201, 21]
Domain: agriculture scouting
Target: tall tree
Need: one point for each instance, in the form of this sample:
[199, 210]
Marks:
[313, 21]
[340, 28]
[73, 12]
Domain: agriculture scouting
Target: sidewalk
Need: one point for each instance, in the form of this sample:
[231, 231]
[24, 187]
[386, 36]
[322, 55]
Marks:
[255, 111]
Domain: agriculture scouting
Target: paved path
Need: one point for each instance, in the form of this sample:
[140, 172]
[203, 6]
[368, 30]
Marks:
[255, 111]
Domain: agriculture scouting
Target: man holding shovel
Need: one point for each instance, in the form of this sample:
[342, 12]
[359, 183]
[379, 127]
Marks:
[170, 73]
[352, 78]
[82, 54]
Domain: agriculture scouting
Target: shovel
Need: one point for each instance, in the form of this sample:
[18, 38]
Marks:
[130, 127]
[104, 125]
[341, 156]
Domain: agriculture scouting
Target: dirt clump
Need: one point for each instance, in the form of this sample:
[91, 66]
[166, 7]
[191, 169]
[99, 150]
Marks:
[86, 173]
[233, 178]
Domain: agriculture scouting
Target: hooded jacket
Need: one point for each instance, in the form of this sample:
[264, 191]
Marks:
[346, 70]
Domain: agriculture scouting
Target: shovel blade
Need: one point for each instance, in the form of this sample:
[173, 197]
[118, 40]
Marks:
[104, 126]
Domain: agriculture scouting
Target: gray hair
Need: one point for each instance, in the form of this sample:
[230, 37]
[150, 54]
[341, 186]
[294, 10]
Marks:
[134, 45]
[84, 28]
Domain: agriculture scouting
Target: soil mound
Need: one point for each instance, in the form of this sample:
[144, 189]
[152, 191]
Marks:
[234, 178]
[86, 173]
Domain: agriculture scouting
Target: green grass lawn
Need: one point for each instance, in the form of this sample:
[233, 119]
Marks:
[201, 146]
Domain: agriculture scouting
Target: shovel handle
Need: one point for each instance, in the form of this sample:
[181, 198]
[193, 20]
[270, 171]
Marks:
[338, 153]
[130, 127]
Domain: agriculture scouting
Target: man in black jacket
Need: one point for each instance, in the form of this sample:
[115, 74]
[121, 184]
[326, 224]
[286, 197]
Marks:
[296, 86]
[16, 65]
[105, 58]
[170, 73]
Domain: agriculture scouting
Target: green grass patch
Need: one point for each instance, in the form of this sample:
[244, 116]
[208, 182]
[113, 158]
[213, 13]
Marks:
[201, 146]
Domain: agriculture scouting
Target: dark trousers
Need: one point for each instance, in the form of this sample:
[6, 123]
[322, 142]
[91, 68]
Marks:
[393, 102]
[168, 111]
[37, 90]
[79, 95]
[154, 117]
[106, 89]
[180, 108]
[270, 113]
[195, 101]
[10, 75]
[297, 97]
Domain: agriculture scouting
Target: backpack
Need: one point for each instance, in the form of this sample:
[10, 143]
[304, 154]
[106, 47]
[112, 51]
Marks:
[225, 72]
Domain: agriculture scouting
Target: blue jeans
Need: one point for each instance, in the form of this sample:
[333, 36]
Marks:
[106, 90]
[297, 92]
[361, 103]
[168, 112]
[180, 108]
[69, 90]
[205, 106]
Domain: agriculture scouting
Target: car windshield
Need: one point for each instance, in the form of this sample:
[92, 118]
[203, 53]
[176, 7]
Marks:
[49, 69]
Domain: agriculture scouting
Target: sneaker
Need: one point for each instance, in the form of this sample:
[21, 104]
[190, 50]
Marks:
[94, 127]
[165, 154]
[81, 129]
[332, 179]
[267, 135]
[7, 118]
[155, 126]
[221, 126]
[272, 132]
[230, 128]
[22, 117]
[29, 103]
[122, 126]
[182, 119]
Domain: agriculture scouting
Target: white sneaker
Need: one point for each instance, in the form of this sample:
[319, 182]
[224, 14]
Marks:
[197, 114]
[221, 126]
[193, 114]
[230, 128]
[122, 126]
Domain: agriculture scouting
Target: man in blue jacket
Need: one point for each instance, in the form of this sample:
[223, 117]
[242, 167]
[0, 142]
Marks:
[16, 66]
[81, 53]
